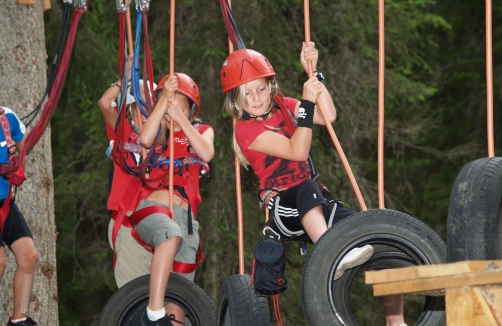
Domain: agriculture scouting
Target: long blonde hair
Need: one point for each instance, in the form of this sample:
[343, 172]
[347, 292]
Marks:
[234, 103]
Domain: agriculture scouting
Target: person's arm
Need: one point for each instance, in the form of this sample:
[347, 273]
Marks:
[202, 144]
[296, 148]
[309, 52]
[105, 102]
[19, 149]
[152, 124]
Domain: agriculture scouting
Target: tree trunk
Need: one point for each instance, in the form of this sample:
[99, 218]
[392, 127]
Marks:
[22, 83]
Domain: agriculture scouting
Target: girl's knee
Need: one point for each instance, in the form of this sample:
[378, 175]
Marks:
[28, 259]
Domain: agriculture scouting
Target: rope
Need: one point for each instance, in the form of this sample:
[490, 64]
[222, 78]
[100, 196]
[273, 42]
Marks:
[63, 28]
[233, 32]
[49, 107]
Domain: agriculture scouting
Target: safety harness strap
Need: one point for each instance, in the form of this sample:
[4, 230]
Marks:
[139, 215]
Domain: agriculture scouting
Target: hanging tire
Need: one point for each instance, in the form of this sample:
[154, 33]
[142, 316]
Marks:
[240, 305]
[125, 306]
[475, 214]
[399, 240]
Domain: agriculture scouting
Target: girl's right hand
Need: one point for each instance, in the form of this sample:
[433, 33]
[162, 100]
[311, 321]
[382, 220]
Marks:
[311, 89]
[170, 86]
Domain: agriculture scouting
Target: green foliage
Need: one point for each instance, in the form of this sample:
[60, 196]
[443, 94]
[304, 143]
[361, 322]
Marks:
[434, 123]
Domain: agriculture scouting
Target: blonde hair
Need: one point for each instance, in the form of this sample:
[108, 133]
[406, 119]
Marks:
[234, 104]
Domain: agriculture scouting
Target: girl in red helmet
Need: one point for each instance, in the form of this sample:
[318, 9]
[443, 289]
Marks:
[273, 134]
[172, 232]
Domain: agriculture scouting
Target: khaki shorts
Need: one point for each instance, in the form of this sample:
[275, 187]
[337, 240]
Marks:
[133, 260]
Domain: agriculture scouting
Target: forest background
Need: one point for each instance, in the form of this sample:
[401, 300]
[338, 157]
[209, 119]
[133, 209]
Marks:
[435, 122]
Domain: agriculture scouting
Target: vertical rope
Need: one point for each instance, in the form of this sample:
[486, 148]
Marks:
[326, 120]
[171, 122]
[489, 78]
[381, 102]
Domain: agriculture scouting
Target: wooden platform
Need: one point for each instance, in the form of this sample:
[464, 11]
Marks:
[472, 289]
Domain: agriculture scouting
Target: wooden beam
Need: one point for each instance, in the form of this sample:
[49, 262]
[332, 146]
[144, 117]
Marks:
[47, 5]
[25, 2]
[421, 285]
[428, 271]
[467, 306]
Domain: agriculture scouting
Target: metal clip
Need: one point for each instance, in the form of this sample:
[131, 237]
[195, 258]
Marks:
[80, 3]
[121, 5]
[270, 229]
[142, 4]
[303, 249]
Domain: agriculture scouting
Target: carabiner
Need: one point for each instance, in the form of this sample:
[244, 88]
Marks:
[142, 4]
[268, 228]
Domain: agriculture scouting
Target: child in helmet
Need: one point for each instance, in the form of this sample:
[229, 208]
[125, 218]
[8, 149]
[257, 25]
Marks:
[172, 232]
[288, 181]
[123, 183]
[264, 116]
[14, 232]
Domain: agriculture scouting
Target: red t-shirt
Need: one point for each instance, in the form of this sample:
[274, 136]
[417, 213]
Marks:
[273, 172]
[183, 149]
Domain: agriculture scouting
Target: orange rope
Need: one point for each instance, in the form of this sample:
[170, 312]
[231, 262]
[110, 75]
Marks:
[171, 122]
[381, 102]
[489, 78]
[327, 122]
[238, 188]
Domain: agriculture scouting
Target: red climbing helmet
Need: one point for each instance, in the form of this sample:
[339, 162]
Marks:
[187, 87]
[243, 66]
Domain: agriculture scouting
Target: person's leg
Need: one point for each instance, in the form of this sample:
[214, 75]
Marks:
[393, 307]
[2, 255]
[26, 259]
[164, 234]
[187, 253]
[314, 223]
[2, 260]
[162, 264]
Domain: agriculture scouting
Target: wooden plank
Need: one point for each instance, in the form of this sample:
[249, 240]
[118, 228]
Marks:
[47, 5]
[426, 271]
[493, 297]
[438, 283]
[467, 306]
[25, 2]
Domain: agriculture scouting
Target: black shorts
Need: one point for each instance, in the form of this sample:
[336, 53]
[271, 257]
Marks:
[15, 226]
[288, 208]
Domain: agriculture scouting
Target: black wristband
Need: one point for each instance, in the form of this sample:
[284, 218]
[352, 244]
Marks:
[306, 113]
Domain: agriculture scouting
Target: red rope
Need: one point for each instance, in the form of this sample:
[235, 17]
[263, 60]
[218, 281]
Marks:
[277, 310]
[50, 106]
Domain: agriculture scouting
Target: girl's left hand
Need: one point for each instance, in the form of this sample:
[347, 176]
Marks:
[174, 111]
[309, 52]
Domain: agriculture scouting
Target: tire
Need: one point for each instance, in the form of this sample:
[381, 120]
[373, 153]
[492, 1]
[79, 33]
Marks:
[125, 306]
[475, 215]
[399, 240]
[240, 305]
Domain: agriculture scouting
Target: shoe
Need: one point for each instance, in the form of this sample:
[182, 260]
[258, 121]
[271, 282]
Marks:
[27, 322]
[164, 321]
[355, 257]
